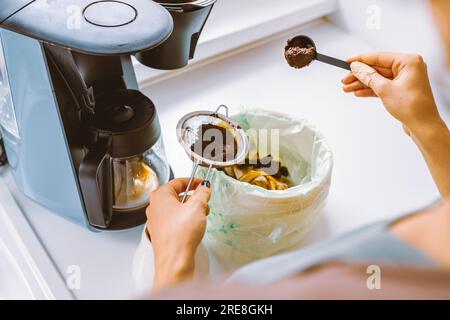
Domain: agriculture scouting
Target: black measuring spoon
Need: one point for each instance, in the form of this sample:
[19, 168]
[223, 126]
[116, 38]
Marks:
[301, 50]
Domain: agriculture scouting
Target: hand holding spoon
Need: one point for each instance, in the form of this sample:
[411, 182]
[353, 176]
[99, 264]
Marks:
[301, 51]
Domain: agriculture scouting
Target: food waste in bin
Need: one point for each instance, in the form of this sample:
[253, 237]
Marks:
[264, 172]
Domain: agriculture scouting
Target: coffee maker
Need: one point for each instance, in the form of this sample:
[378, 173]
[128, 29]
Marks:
[80, 137]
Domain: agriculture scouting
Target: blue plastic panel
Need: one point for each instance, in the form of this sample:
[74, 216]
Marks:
[40, 161]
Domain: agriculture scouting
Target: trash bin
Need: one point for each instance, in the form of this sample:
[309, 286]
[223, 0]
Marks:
[247, 222]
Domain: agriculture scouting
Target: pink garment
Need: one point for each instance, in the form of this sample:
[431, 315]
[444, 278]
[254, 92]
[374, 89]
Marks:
[330, 281]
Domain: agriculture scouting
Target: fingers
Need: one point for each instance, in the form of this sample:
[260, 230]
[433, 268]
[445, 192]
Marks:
[202, 193]
[201, 197]
[359, 89]
[365, 93]
[387, 73]
[351, 83]
[354, 86]
[387, 64]
[179, 185]
[378, 59]
[369, 77]
[349, 78]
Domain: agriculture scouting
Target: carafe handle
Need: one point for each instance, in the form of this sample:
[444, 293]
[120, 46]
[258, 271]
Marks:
[96, 184]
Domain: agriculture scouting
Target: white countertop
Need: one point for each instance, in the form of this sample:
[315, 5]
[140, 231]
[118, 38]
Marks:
[378, 171]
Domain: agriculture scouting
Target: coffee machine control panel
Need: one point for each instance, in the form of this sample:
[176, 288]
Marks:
[120, 14]
[107, 27]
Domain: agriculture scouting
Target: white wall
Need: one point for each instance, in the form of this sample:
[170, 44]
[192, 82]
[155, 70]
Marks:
[405, 25]
[232, 15]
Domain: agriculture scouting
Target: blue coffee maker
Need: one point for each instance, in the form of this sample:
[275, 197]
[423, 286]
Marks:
[80, 137]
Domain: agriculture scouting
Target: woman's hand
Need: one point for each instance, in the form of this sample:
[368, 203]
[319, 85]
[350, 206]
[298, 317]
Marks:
[177, 229]
[401, 81]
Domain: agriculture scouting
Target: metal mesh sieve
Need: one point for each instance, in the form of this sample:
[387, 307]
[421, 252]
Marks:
[188, 128]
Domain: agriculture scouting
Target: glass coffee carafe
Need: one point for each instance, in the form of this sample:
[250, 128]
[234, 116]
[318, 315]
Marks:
[125, 159]
[135, 177]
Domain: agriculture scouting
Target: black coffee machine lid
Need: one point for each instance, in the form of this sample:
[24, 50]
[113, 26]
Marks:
[185, 5]
[106, 27]
[199, 2]
[128, 118]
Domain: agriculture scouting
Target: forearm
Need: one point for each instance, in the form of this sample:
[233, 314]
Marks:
[434, 142]
[172, 269]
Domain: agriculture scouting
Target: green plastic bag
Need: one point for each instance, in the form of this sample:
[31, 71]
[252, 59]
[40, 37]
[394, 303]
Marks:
[247, 222]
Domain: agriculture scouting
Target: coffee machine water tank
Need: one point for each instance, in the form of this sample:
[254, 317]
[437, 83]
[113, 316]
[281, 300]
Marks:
[80, 137]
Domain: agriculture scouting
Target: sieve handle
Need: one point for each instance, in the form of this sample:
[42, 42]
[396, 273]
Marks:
[191, 179]
[220, 107]
[208, 173]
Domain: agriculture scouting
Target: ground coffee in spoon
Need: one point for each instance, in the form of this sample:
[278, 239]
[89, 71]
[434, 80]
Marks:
[298, 56]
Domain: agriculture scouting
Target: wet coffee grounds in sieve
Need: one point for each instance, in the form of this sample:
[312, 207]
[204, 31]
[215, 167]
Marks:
[215, 143]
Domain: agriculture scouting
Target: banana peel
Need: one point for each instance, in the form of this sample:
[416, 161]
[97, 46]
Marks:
[256, 177]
